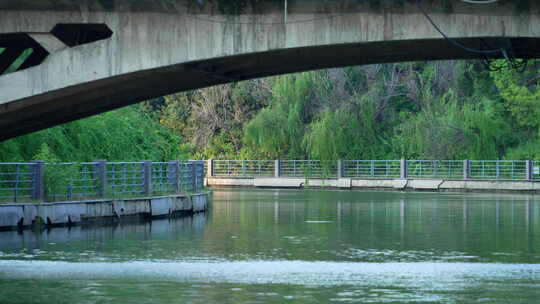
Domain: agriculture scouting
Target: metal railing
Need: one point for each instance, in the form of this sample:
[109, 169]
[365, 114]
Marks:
[70, 180]
[307, 168]
[248, 168]
[371, 168]
[124, 178]
[38, 181]
[535, 170]
[379, 169]
[17, 181]
[450, 169]
[498, 169]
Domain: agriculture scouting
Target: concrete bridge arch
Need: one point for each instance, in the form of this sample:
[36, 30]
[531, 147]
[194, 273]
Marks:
[165, 46]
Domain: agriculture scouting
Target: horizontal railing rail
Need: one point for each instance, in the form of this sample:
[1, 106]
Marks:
[498, 169]
[17, 181]
[378, 169]
[39, 181]
[450, 169]
[244, 168]
[371, 168]
[307, 168]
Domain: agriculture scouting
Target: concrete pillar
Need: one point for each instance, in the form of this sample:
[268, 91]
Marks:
[200, 168]
[244, 168]
[39, 181]
[339, 168]
[147, 177]
[101, 177]
[210, 168]
[529, 170]
[466, 166]
[193, 175]
[277, 168]
[403, 169]
[172, 174]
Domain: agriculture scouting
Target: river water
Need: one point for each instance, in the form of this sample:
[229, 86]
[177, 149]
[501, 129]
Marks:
[291, 246]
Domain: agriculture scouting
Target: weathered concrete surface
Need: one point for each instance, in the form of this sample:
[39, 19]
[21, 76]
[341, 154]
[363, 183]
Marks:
[226, 181]
[272, 182]
[13, 215]
[130, 207]
[60, 213]
[499, 185]
[161, 206]
[400, 183]
[397, 184]
[163, 46]
[344, 183]
[452, 184]
[315, 182]
[425, 184]
[372, 183]
[199, 202]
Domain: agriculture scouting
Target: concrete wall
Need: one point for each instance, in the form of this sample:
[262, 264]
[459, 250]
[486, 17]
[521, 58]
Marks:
[64, 213]
[165, 48]
[387, 184]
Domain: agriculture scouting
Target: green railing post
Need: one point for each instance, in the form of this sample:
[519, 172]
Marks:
[210, 168]
[147, 177]
[277, 168]
[466, 167]
[101, 176]
[172, 174]
[339, 168]
[39, 181]
[194, 175]
[529, 170]
[403, 169]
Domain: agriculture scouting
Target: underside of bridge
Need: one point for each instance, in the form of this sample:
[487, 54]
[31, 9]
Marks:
[84, 63]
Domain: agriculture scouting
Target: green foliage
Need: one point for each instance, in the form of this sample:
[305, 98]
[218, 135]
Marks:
[526, 151]
[449, 130]
[440, 110]
[523, 102]
[121, 135]
[277, 131]
[212, 119]
[45, 154]
[346, 133]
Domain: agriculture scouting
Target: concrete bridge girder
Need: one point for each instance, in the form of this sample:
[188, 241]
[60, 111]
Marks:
[156, 53]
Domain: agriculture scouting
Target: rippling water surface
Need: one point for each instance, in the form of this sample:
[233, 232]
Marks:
[291, 246]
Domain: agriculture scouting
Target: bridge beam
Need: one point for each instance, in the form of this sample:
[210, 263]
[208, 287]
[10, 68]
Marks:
[160, 49]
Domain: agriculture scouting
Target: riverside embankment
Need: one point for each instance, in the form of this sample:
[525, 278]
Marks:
[433, 175]
[100, 211]
[37, 194]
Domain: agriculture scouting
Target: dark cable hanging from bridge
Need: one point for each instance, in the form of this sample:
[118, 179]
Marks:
[512, 62]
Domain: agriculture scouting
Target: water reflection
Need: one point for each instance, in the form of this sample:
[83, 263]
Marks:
[301, 246]
[85, 241]
[478, 225]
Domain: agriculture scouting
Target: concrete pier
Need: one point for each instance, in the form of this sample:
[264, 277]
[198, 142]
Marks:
[81, 212]
[383, 184]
